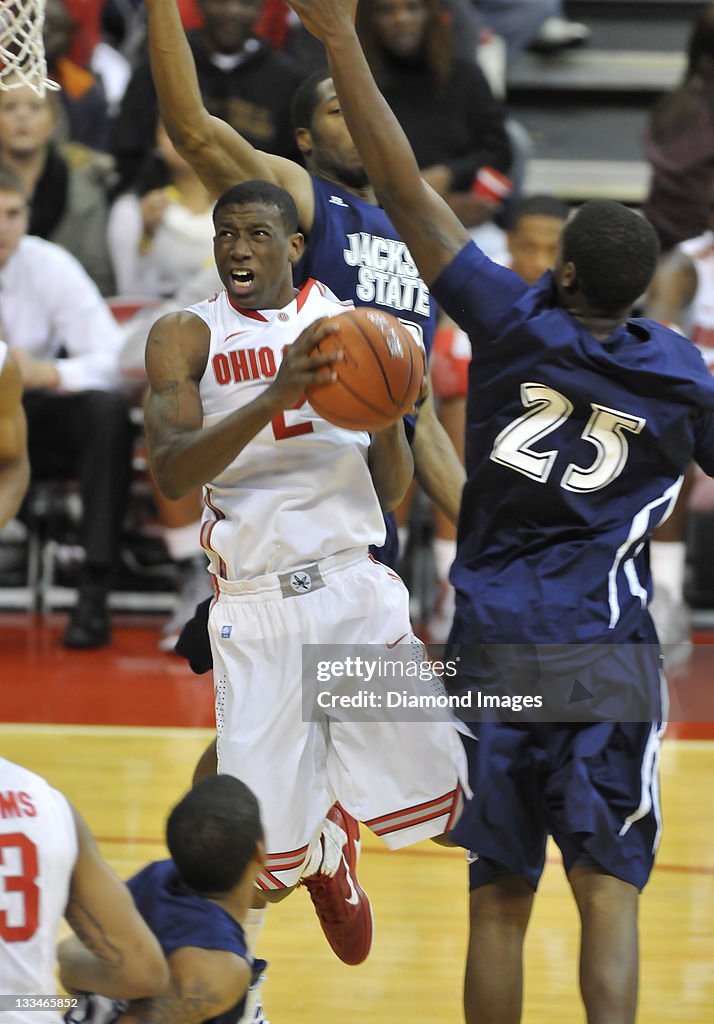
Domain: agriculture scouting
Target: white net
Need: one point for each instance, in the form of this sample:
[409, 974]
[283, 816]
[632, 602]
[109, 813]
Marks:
[22, 52]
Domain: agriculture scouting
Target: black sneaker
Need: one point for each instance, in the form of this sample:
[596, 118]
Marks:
[89, 625]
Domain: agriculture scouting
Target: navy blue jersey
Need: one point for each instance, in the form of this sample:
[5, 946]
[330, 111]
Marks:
[355, 250]
[178, 917]
[575, 451]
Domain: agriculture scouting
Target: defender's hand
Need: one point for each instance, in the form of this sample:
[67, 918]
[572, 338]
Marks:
[321, 16]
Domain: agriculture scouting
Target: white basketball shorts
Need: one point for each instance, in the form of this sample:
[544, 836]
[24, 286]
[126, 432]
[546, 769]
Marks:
[403, 779]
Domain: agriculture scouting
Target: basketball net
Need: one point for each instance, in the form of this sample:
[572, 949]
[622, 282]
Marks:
[22, 51]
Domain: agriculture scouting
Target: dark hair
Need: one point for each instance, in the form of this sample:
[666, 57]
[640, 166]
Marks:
[212, 833]
[537, 206]
[701, 45]
[615, 253]
[675, 111]
[437, 53]
[10, 182]
[265, 193]
[305, 99]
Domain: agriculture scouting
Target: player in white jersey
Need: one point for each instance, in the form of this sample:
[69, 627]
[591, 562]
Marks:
[14, 464]
[292, 502]
[50, 868]
[681, 295]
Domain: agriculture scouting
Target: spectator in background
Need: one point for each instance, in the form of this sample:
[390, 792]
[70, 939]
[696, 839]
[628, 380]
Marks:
[161, 240]
[14, 464]
[280, 26]
[680, 145]
[242, 79]
[539, 25]
[68, 184]
[453, 122]
[78, 422]
[85, 115]
[161, 232]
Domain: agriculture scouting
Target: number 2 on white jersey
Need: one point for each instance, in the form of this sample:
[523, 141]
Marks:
[547, 410]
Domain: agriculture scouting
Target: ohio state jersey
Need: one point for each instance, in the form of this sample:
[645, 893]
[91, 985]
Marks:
[38, 850]
[699, 320]
[301, 489]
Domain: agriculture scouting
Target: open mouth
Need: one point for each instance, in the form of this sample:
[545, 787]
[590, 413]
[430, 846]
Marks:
[242, 279]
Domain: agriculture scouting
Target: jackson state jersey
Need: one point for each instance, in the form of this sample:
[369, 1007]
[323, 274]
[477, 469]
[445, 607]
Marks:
[356, 251]
[38, 851]
[575, 452]
[301, 489]
[180, 918]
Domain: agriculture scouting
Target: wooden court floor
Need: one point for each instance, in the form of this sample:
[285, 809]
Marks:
[125, 777]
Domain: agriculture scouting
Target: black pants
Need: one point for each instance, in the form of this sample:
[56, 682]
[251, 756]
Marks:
[85, 435]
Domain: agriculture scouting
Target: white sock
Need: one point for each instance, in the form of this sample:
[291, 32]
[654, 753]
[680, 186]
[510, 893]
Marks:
[313, 859]
[444, 554]
[183, 541]
[325, 855]
[252, 925]
[667, 561]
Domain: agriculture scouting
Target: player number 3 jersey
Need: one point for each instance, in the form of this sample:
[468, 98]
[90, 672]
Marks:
[301, 489]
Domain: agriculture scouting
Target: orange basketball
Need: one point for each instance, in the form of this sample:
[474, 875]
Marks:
[380, 377]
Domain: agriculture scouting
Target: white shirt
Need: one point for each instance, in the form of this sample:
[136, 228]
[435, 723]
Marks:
[698, 320]
[49, 302]
[301, 489]
[39, 851]
[182, 246]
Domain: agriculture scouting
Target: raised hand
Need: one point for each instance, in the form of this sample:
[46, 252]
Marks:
[320, 16]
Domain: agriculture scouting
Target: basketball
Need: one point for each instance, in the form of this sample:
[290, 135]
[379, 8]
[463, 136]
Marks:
[380, 377]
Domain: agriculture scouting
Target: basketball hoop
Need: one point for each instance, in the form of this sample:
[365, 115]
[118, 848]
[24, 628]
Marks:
[22, 51]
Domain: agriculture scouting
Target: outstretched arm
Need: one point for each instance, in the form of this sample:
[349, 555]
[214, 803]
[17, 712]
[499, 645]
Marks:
[436, 464]
[433, 233]
[391, 465]
[218, 154]
[112, 951]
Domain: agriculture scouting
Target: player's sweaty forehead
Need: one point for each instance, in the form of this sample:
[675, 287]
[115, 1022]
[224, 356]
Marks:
[249, 215]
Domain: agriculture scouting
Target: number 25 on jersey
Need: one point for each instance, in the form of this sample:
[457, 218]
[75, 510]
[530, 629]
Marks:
[547, 410]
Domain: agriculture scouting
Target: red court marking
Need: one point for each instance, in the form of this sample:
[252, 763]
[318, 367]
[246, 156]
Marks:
[130, 682]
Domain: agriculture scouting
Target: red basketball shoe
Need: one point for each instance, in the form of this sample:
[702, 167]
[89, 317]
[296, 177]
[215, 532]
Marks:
[341, 903]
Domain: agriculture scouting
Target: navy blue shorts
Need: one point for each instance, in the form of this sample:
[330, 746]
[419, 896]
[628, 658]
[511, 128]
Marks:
[592, 786]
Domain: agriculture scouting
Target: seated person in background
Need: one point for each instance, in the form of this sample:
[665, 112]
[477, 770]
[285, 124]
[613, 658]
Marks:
[242, 80]
[451, 118]
[65, 876]
[196, 904]
[68, 184]
[14, 464]
[161, 240]
[529, 248]
[77, 419]
[161, 233]
[85, 114]
[539, 25]
[680, 145]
